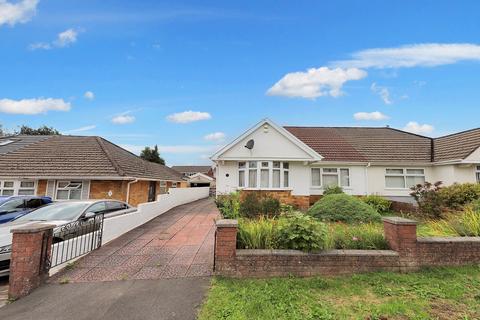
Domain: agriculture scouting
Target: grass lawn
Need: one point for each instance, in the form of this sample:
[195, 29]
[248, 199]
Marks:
[440, 293]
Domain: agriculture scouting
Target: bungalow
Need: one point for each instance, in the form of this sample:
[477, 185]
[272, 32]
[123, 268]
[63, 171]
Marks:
[76, 167]
[295, 164]
[197, 176]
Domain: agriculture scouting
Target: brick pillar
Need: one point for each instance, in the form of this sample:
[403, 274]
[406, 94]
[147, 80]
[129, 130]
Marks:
[401, 235]
[225, 246]
[27, 263]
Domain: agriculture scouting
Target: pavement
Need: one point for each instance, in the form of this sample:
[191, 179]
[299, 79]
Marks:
[159, 270]
[163, 299]
[3, 291]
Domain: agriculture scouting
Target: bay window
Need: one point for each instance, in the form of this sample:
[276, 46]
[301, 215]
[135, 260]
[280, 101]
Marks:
[330, 177]
[263, 174]
[402, 178]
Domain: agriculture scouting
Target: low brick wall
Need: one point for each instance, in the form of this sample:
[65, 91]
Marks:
[284, 196]
[408, 253]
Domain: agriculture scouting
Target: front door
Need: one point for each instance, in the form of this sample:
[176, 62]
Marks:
[152, 191]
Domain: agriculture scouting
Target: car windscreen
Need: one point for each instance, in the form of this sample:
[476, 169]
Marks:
[56, 211]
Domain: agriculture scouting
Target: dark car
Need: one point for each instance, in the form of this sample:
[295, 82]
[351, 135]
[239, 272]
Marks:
[17, 206]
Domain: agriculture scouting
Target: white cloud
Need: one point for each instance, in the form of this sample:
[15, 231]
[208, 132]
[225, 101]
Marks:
[188, 116]
[315, 82]
[81, 129]
[174, 149]
[415, 127]
[415, 55]
[89, 95]
[373, 116]
[17, 12]
[124, 118]
[33, 106]
[215, 136]
[382, 92]
[64, 39]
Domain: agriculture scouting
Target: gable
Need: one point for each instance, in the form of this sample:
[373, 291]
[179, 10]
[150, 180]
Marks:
[271, 142]
[474, 156]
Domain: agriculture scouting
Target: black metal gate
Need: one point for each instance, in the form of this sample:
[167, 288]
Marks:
[75, 239]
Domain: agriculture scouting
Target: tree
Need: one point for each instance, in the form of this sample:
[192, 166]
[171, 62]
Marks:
[2, 132]
[40, 131]
[152, 155]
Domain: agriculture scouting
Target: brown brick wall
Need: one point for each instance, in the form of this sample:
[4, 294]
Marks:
[99, 189]
[41, 187]
[284, 196]
[448, 251]
[138, 192]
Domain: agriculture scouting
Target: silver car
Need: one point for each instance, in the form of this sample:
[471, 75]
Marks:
[60, 214]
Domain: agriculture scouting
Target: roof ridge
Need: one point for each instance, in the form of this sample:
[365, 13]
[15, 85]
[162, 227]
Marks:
[114, 163]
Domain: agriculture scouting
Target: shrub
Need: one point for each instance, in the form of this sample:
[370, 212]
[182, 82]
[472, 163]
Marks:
[229, 205]
[468, 223]
[301, 232]
[428, 198]
[270, 206]
[458, 195]
[343, 207]
[475, 205]
[380, 204]
[332, 190]
[257, 233]
[254, 205]
[363, 236]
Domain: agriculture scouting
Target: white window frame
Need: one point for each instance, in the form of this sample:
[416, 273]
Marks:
[174, 185]
[405, 175]
[17, 186]
[68, 189]
[477, 173]
[246, 167]
[338, 174]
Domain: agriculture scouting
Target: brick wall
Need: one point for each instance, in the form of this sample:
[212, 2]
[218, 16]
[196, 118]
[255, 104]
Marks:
[99, 189]
[408, 254]
[284, 196]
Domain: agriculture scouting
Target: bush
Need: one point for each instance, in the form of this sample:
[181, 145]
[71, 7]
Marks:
[301, 232]
[475, 205]
[457, 195]
[468, 223]
[254, 205]
[257, 233]
[332, 190]
[428, 198]
[343, 207]
[363, 236]
[380, 204]
[229, 205]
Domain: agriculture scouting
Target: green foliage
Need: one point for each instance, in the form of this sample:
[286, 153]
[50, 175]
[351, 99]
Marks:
[468, 223]
[458, 195]
[40, 131]
[257, 233]
[229, 205]
[254, 205]
[380, 204]
[475, 205]
[463, 224]
[363, 236]
[332, 190]
[152, 155]
[270, 206]
[343, 207]
[428, 198]
[301, 232]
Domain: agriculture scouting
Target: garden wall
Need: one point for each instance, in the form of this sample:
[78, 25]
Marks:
[408, 254]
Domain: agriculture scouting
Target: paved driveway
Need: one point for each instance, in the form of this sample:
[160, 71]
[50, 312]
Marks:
[163, 267]
[177, 244]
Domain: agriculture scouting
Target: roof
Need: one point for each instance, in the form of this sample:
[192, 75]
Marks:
[192, 169]
[364, 144]
[76, 156]
[457, 146]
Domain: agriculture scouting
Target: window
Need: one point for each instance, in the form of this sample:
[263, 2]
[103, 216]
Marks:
[263, 174]
[403, 178]
[163, 187]
[116, 205]
[27, 188]
[330, 177]
[477, 173]
[97, 208]
[69, 190]
[33, 203]
[7, 188]
[174, 184]
[20, 188]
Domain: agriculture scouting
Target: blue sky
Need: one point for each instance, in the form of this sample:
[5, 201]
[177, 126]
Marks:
[129, 70]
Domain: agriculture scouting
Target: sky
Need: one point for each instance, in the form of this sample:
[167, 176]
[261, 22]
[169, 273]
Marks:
[190, 76]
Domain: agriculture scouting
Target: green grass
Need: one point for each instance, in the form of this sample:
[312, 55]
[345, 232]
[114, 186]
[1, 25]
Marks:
[441, 293]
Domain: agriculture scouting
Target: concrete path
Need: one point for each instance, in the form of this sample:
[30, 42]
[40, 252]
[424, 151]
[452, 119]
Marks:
[173, 251]
[3, 291]
[177, 244]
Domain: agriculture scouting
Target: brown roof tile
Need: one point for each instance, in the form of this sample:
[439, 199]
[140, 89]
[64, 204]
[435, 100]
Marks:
[457, 146]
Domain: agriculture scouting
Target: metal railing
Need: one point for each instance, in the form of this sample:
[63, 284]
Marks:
[75, 239]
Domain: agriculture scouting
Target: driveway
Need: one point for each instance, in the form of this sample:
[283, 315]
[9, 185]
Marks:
[157, 271]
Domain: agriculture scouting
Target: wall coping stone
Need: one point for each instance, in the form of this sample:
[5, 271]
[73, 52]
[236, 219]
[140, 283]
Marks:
[33, 228]
[448, 239]
[399, 221]
[226, 223]
[277, 252]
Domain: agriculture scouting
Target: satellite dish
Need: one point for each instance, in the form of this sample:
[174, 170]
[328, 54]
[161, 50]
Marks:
[250, 144]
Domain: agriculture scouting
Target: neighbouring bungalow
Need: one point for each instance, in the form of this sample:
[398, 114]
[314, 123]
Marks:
[295, 164]
[197, 176]
[77, 167]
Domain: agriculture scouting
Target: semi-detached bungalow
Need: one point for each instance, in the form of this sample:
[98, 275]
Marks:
[78, 167]
[295, 164]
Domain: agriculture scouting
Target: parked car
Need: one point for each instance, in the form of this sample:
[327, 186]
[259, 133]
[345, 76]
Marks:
[60, 214]
[16, 206]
